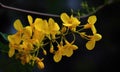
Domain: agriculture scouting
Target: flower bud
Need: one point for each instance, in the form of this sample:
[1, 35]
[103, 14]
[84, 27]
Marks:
[40, 65]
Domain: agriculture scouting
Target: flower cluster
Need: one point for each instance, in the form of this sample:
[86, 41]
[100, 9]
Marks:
[29, 41]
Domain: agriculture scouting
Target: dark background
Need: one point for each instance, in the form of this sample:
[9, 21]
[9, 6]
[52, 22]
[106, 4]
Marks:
[103, 58]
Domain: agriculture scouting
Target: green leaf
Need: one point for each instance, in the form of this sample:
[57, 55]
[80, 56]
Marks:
[13, 65]
[4, 36]
[4, 48]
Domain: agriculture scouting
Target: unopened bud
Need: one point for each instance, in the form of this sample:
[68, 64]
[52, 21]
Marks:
[40, 65]
[52, 49]
[63, 30]
[44, 52]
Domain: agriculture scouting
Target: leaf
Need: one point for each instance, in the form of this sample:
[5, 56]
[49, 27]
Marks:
[3, 43]
[4, 48]
[4, 36]
[13, 65]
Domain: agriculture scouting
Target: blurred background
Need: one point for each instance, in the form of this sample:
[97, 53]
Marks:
[103, 58]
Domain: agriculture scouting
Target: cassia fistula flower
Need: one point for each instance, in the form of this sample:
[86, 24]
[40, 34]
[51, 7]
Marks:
[91, 43]
[91, 21]
[70, 22]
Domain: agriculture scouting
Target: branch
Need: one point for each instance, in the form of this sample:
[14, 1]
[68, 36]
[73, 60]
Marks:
[27, 11]
[46, 14]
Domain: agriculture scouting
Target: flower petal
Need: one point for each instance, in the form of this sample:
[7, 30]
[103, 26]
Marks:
[53, 26]
[14, 39]
[28, 31]
[90, 44]
[92, 19]
[97, 37]
[69, 52]
[18, 25]
[38, 24]
[11, 52]
[74, 47]
[30, 19]
[45, 27]
[75, 21]
[57, 57]
[64, 17]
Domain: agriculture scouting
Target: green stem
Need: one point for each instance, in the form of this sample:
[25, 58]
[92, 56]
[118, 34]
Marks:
[3, 51]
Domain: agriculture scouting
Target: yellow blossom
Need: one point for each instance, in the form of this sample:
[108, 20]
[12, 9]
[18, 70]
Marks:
[41, 65]
[50, 27]
[91, 21]
[26, 47]
[70, 22]
[91, 43]
[68, 48]
[39, 62]
[37, 38]
[25, 58]
[27, 33]
[91, 39]
[53, 27]
[27, 41]
[58, 54]
[36, 30]
[16, 38]
[41, 25]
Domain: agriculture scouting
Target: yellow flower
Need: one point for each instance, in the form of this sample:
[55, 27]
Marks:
[14, 40]
[58, 54]
[27, 33]
[50, 27]
[91, 21]
[41, 25]
[14, 43]
[26, 47]
[92, 38]
[91, 43]
[40, 65]
[36, 30]
[39, 62]
[70, 22]
[68, 48]
[25, 58]
[37, 38]
[53, 27]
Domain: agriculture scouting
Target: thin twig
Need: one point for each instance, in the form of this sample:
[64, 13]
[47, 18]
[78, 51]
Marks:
[46, 14]
[28, 11]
